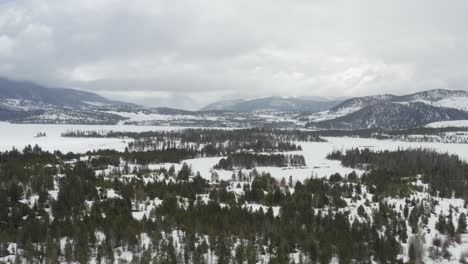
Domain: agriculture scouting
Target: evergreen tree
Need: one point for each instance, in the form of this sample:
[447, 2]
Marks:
[461, 229]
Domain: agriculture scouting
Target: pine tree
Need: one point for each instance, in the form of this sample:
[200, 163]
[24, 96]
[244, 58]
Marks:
[252, 256]
[290, 182]
[240, 253]
[68, 252]
[461, 229]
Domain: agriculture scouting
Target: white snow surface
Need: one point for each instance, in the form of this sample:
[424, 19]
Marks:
[141, 116]
[315, 156]
[20, 135]
[343, 143]
[452, 123]
[328, 114]
[457, 102]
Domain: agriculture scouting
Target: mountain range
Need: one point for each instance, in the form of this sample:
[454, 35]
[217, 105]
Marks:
[26, 102]
[273, 104]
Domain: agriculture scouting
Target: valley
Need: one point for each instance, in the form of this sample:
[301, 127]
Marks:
[233, 132]
[282, 175]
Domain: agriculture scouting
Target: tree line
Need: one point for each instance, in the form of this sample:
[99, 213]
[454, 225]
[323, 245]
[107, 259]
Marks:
[252, 160]
[446, 175]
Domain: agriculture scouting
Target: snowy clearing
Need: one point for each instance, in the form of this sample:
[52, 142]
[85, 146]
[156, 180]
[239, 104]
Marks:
[20, 135]
[453, 123]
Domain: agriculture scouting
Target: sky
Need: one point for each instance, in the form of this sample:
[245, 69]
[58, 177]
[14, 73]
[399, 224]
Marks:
[188, 53]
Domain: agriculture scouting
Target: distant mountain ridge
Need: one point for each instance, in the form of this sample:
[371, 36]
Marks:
[224, 105]
[22, 90]
[392, 111]
[393, 116]
[26, 102]
[273, 104]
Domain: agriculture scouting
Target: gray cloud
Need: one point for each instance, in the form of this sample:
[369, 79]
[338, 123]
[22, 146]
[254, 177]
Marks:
[188, 53]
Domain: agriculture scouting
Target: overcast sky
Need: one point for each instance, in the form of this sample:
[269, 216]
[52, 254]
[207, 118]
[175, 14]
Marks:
[187, 53]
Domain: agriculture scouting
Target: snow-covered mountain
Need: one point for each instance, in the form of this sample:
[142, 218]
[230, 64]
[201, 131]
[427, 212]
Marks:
[391, 111]
[26, 102]
[273, 104]
[439, 98]
[389, 115]
[223, 105]
[18, 92]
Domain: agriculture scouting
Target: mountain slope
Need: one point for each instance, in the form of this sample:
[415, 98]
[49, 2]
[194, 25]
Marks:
[457, 99]
[224, 105]
[437, 98]
[26, 102]
[350, 106]
[273, 104]
[392, 116]
[27, 91]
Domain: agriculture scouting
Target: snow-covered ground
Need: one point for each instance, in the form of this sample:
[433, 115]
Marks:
[141, 116]
[20, 135]
[330, 114]
[457, 102]
[15, 135]
[317, 164]
[343, 143]
[314, 153]
[452, 123]
[315, 156]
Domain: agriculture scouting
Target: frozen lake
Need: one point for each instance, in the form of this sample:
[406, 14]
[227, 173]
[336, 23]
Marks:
[18, 135]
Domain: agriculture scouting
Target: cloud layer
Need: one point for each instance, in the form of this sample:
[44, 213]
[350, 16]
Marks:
[188, 53]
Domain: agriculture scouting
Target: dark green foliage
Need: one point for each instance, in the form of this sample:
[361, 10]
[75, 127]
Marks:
[210, 142]
[310, 219]
[141, 157]
[250, 160]
[462, 224]
[391, 171]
